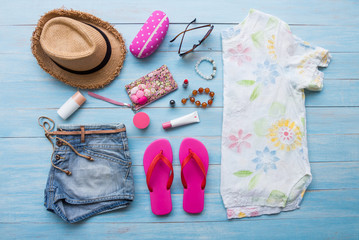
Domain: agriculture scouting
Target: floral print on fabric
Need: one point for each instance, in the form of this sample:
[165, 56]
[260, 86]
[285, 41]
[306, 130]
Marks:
[239, 54]
[230, 213]
[266, 159]
[319, 57]
[271, 47]
[231, 32]
[316, 84]
[243, 212]
[285, 135]
[151, 87]
[266, 73]
[238, 142]
[301, 154]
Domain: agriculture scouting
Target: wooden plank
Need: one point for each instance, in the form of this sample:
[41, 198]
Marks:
[133, 67]
[322, 148]
[343, 66]
[336, 93]
[335, 175]
[341, 93]
[331, 147]
[323, 36]
[232, 11]
[325, 228]
[24, 121]
[315, 204]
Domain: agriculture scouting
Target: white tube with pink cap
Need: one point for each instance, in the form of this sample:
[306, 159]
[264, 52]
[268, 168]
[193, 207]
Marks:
[71, 105]
[184, 120]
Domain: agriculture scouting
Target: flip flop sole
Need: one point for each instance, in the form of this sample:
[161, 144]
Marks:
[161, 203]
[193, 196]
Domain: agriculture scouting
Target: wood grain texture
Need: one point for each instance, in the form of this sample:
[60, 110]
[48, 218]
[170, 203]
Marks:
[315, 12]
[213, 211]
[330, 209]
[24, 121]
[325, 228]
[19, 36]
[327, 175]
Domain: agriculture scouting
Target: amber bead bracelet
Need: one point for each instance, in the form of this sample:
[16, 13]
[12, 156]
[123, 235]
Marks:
[198, 103]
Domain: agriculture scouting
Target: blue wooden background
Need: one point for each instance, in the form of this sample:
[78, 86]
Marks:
[331, 206]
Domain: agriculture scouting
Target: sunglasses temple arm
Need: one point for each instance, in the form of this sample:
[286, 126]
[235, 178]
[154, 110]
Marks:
[208, 25]
[176, 36]
[179, 49]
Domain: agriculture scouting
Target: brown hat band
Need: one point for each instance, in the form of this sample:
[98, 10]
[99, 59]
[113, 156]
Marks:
[98, 67]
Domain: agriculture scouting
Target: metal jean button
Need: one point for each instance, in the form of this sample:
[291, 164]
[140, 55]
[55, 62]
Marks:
[57, 157]
[58, 143]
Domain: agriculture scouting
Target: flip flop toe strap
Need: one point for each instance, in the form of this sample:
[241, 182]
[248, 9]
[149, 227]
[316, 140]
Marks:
[199, 162]
[153, 164]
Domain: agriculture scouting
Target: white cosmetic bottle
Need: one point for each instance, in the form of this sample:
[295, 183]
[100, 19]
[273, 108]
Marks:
[184, 120]
[71, 105]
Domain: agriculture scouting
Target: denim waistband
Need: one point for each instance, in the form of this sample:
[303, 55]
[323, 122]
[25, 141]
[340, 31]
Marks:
[72, 127]
[77, 139]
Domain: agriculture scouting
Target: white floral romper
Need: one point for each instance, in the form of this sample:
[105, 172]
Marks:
[265, 167]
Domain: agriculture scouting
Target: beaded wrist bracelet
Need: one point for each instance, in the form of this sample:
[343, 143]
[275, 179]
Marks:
[198, 103]
[213, 67]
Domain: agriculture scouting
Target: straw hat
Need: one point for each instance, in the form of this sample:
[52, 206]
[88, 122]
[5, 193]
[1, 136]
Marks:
[78, 48]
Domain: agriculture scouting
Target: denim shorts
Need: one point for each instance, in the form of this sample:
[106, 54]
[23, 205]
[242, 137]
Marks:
[95, 186]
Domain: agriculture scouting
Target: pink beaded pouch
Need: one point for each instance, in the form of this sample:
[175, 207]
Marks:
[151, 87]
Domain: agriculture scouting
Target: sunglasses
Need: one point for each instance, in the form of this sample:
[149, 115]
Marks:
[195, 45]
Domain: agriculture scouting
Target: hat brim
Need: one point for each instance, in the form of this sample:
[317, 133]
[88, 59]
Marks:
[94, 80]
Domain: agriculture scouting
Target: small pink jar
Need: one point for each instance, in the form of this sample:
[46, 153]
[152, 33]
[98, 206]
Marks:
[150, 36]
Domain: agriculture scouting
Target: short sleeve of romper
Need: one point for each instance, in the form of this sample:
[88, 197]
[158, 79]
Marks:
[302, 59]
[264, 154]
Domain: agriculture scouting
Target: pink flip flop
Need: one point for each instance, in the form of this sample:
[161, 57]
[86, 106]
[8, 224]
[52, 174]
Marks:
[157, 162]
[193, 156]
